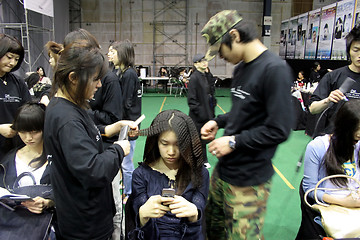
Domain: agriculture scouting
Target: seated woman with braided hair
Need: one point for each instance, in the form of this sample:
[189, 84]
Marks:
[172, 159]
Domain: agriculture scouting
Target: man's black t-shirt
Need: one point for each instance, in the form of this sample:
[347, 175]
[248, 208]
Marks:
[330, 82]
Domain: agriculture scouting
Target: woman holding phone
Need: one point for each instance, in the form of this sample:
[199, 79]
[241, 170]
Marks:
[170, 187]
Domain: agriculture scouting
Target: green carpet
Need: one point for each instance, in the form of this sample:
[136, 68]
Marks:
[283, 213]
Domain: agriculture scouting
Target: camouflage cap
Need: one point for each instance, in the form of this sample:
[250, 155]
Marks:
[216, 28]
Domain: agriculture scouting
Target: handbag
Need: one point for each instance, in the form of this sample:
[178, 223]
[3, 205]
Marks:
[337, 221]
[17, 222]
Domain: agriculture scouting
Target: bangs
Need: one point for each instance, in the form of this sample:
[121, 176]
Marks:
[29, 118]
[16, 48]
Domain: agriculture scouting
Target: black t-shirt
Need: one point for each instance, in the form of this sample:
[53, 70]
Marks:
[81, 171]
[106, 106]
[260, 118]
[330, 82]
[131, 91]
[13, 95]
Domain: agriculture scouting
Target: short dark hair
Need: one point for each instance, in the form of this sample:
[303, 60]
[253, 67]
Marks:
[125, 52]
[32, 79]
[315, 65]
[84, 60]
[246, 31]
[354, 35]
[11, 44]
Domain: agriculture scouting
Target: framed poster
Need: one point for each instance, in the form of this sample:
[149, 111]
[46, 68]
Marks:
[301, 36]
[327, 19]
[292, 36]
[312, 34]
[343, 24]
[283, 36]
[356, 20]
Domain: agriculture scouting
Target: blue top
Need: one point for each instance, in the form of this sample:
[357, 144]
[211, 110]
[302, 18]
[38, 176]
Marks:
[148, 182]
[314, 169]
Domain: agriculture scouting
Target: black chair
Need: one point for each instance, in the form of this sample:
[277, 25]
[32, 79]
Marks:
[130, 216]
[309, 229]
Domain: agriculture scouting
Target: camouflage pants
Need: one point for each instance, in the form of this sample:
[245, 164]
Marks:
[234, 212]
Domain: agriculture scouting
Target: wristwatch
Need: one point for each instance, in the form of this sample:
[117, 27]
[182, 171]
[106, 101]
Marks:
[232, 142]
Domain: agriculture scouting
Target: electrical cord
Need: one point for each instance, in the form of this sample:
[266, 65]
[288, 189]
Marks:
[301, 159]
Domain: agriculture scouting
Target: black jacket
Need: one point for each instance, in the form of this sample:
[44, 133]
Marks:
[201, 99]
[8, 171]
[131, 91]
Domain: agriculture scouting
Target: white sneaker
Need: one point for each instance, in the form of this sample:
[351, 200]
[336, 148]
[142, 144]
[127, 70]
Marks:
[207, 165]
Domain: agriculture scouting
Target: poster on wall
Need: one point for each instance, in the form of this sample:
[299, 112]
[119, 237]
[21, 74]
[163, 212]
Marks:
[292, 36]
[356, 20]
[343, 23]
[312, 34]
[301, 36]
[283, 33]
[327, 19]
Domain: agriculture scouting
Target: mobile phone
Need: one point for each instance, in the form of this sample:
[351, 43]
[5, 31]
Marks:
[168, 192]
[124, 133]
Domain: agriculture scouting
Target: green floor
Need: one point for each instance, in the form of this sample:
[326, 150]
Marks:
[283, 214]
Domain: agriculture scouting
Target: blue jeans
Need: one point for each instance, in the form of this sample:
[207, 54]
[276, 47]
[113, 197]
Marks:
[127, 166]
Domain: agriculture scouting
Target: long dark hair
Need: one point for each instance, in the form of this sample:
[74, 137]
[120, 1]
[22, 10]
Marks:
[84, 60]
[10, 44]
[31, 117]
[191, 155]
[341, 149]
[40, 67]
[32, 79]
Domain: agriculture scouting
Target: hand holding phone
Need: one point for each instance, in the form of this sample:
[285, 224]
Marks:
[168, 192]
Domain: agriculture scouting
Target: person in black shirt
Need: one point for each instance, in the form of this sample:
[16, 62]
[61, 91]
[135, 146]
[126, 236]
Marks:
[201, 97]
[13, 91]
[81, 169]
[328, 89]
[124, 59]
[260, 119]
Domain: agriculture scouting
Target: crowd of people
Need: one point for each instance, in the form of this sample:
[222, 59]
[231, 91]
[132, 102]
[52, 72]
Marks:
[64, 131]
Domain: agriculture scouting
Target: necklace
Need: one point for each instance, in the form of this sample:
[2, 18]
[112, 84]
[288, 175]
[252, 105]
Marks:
[4, 81]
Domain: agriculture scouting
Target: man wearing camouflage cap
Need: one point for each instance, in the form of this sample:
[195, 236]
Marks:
[260, 119]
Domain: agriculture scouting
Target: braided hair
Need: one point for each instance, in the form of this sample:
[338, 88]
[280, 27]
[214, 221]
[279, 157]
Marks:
[191, 155]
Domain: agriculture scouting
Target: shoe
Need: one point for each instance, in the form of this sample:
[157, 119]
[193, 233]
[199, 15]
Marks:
[207, 165]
